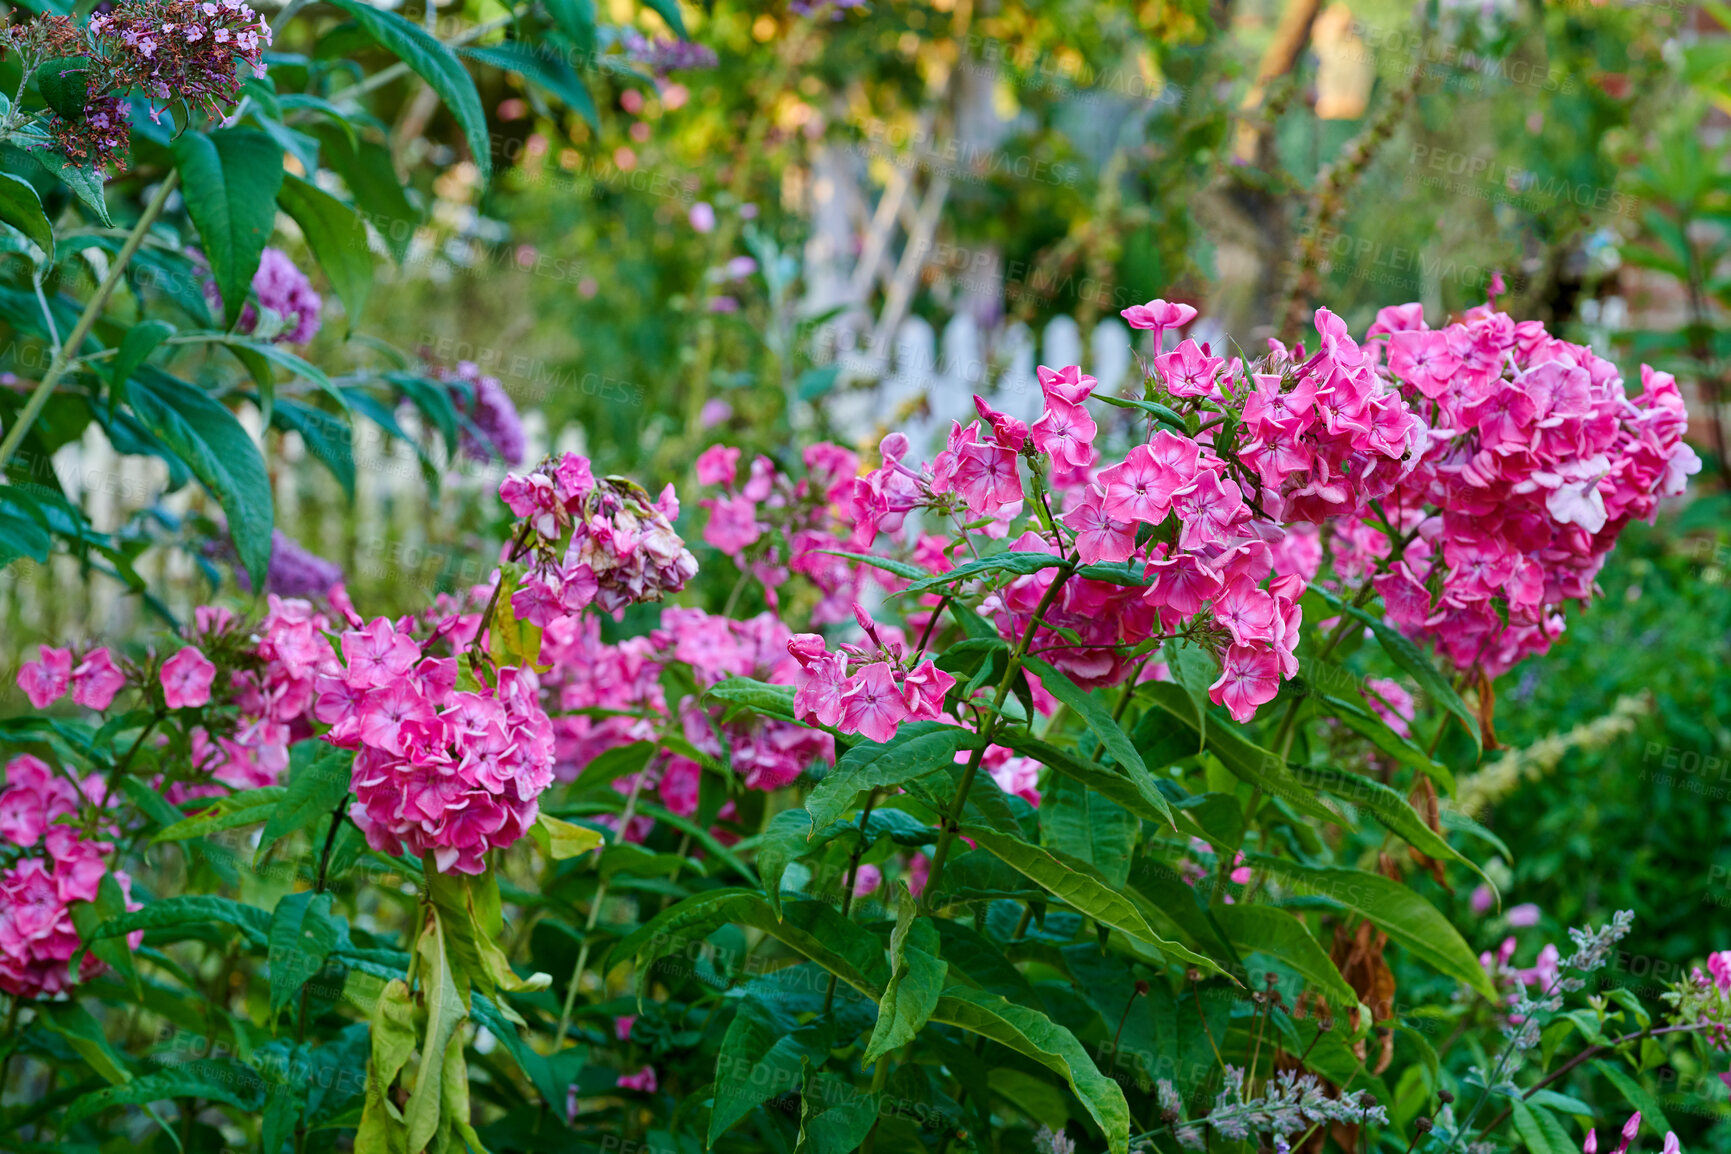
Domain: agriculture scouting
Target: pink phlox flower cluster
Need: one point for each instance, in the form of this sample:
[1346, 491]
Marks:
[765, 752]
[1534, 460]
[438, 770]
[865, 689]
[750, 519]
[593, 541]
[93, 679]
[620, 683]
[58, 866]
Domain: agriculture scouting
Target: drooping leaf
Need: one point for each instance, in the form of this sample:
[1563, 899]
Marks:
[247, 807]
[1392, 810]
[188, 910]
[302, 935]
[917, 976]
[433, 62]
[834, 1116]
[1398, 911]
[337, 237]
[220, 454]
[84, 1034]
[1092, 711]
[760, 1059]
[551, 71]
[1034, 1035]
[1089, 827]
[1264, 929]
[214, 1081]
[329, 439]
[230, 179]
[561, 839]
[446, 1009]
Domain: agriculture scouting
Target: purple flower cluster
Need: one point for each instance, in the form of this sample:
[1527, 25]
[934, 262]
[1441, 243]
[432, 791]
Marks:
[498, 430]
[664, 56]
[281, 287]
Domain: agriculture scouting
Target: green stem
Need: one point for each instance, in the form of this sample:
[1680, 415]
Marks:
[67, 352]
[952, 820]
[595, 915]
[847, 887]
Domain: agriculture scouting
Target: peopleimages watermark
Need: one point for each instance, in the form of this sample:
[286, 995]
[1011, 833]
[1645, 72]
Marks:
[1439, 56]
[946, 156]
[1469, 174]
[1378, 262]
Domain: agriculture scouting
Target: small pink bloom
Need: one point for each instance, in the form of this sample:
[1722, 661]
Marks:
[1249, 677]
[186, 679]
[1526, 914]
[643, 1080]
[871, 705]
[867, 880]
[924, 691]
[717, 465]
[622, 1026]
[96, 680]
[44, 681]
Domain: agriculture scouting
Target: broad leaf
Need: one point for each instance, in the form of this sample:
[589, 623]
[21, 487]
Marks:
[302, 935]
[21, 208]
[437, 65]
[1396, 910]
[230, 179]
[917, 749]
[318, 783]
[1089, 827]
[248, 807]
[337, 237]
[220, 454]
[916, 980]
[1266, 930]
[1034, 1035]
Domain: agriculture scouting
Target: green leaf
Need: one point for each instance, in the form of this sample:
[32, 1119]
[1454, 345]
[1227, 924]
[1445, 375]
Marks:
[446, 1008]
[89, 917]
[84, 181]
[902, 569]
[1246, 761]
[1411, 658]
[760, 1058]
[220, 454]
[393, 1041]
[328, 438]
[1393, 811]
[64, 83]
[84, 1034]
[1012, 562]
[1368, 725]
[1399, 912]
[759, 696]
[668, 10]
[21, 208]
[1280, 935]
[786, 839]
[230, 179]
[1079, 886]
[302, 935]
[1034, 1035]
[1136, 792]
[1159, 412]
[1096, 716]
[338, 239]
[259, 355]
[135, 348]
[1540, 1130]
[1195, 670]
[185, 1082]
[1635, 1094]
[918, 748]
[916, 980]
[237, 809]
[319, 777]
[834, 1116]
[371, 178]
[576, 19]
[511, 642]
[612, 764]
[437, 65]
[1089, 827]
[188, 910]
[550, 70]
[561, 839]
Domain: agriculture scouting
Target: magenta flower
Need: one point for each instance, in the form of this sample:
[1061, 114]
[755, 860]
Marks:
[871, 704]
[717, 465]
[1067, 432]
[643, 1080]
[186, 679]
[96, 680]
[1248, 678]
[44, 680]
[1099, 537]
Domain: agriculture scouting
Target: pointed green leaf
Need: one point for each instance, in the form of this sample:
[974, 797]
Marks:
[917, 749]
[229, 179]
[1264, 929]
[916, 980]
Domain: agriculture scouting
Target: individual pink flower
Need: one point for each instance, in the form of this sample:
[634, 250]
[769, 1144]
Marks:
[1099, 537]
[643, 1080]
[1482, 899]
[1189, 372]
[186, 679]
[717, 465]
[96, 680]
[1249, 677]
[1066, 432]
[622, 1026]
[919, 872]
[867, 880]
[923, 690]
[1159, 316]
[44, 680]
[871, 703]
[1523, 915]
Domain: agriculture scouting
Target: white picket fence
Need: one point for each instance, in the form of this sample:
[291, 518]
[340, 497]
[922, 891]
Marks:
[395, 535]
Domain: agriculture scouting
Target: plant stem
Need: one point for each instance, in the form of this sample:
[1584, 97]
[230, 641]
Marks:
[595, 914]
[952, 820]
[847, 886]
[67, 352]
